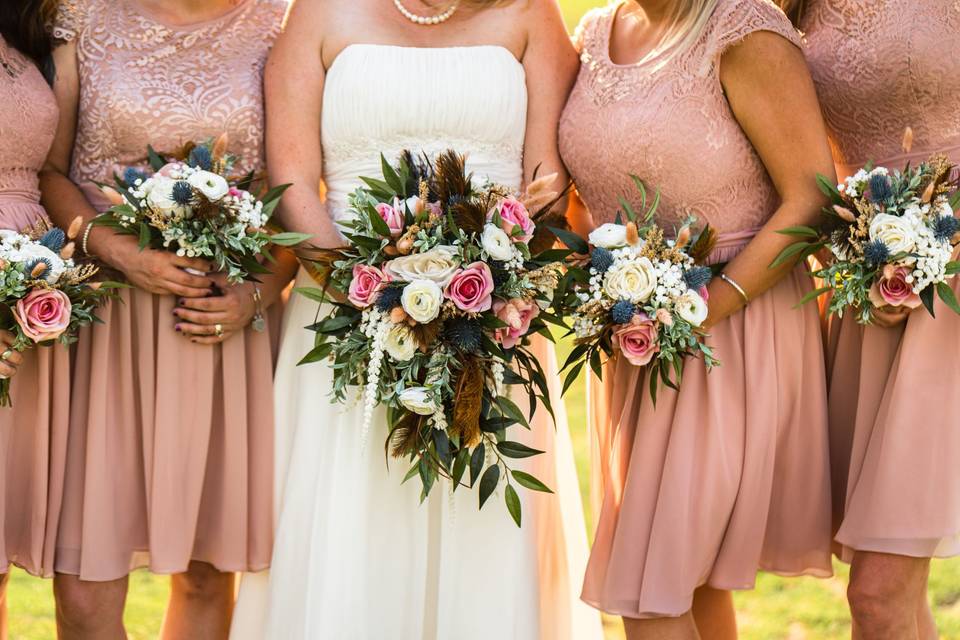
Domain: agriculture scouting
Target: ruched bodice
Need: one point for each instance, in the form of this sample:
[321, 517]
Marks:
[384, 99]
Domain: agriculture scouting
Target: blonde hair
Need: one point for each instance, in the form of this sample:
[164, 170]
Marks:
[687, 22]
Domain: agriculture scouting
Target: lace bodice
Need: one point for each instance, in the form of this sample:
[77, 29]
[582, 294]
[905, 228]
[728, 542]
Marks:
[145, 82]
[881, 66]
[28, 123]
[470, 99]
[670, 125]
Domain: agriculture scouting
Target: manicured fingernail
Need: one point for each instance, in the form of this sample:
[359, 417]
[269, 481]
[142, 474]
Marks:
[174, 312]
[182, 302]
[176, 327]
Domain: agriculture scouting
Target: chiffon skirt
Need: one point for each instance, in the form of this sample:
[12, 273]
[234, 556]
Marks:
[33, 439]
[895, 441]
[723, 478]
[358, 556]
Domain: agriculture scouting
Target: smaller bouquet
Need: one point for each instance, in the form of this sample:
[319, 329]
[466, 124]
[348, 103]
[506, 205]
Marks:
[640, 295]
[193, 206]
[891, 236]
[44, 295]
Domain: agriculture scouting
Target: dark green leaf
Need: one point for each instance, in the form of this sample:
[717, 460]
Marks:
[391, 177]
[526, 480]
[489, 481]
[460, 466]
[476, 463]
[289, 238]
[513, 503]
[800, 231]
[572, 376]
[570, 239]
[953, 268]
[377, 223]
[511, 410]
[317, 354]
[789, 252]
[155, 159]
[812, 295]
[516, 450]
[926, 296]
[144, 236]
[948, 297]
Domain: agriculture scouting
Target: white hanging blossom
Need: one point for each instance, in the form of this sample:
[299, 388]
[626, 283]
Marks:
[376, 326]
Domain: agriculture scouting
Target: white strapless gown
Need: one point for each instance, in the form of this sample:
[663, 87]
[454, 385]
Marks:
[356, 555]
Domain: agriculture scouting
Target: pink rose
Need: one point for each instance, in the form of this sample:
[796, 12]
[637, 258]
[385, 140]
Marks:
[512, 215]
[892, 289]
[471, 288]
[637, 340]
[44, 314]
[517, 314]
[366, 284]
[392, 215]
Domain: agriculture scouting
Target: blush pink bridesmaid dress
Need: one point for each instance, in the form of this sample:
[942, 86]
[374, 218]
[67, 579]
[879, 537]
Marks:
[882, 66]
[730, 474]
[33, 434]
[170, 455]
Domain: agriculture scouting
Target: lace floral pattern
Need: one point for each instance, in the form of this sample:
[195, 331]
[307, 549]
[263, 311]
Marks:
[881, 66]
[670, 125]
[28, 122]
[147, 82]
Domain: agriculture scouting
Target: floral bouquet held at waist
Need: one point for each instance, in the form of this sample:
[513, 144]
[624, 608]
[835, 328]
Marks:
[640, 296]
[194, 207]
[44, 296]
[892, 238]
[445, 283]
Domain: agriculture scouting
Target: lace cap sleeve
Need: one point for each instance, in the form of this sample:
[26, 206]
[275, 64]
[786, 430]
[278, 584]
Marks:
[734, 20]
[70, 19]
[585, 34]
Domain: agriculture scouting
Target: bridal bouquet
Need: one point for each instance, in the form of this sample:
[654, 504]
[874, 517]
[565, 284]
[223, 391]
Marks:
[891, 235]
[194, 207]
[445, 281]
[44, 295]
[641, 296]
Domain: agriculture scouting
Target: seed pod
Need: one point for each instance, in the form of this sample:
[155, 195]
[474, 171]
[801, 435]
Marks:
[405, 245]
[907, 139]
[682, 238]
[633, 236]
[74, 230]
[928, 193]
[68, 249]
[220, 146]
[38, 270]
[391, 250]
[844, 213]
[398, 315]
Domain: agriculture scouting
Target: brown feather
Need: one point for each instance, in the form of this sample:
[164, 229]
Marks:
[426, 334]
[468, 404]
[405, 436]
[704, 245]
[450, 177]
[543, 238]
[469, 215]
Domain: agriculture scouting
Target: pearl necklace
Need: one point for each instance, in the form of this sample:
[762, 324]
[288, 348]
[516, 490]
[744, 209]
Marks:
[427, 20]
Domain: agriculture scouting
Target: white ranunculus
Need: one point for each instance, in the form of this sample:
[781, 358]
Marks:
[418, 400]
[496, 243]
[211, 185]
[400, 343]
[160, 197]
[437, 265]
[692, 308]
[895, 232]
[421, 299]
[634, 280]
[609, 236]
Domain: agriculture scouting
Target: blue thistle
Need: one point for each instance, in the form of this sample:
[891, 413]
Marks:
[182, 192]
[623, 312]
[389, 299]
[54, 239]
[944, 227]
[463, 333]
[697, 277]
[876, 253]
[33, 265]
[881, 188]
[131, 175]
[601, 259]
[201, 158]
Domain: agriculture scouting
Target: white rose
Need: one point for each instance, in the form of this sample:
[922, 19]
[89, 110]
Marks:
[437, 265]
[609, 236]
[418, 400]
[496, 243]
[160, 197]
[895, 232]
[400, 343]
[212, 186]
[692, 308]
[635, 280]
[421, 299]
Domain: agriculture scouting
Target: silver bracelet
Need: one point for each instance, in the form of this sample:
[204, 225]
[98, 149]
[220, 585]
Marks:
[733, 283]
[86, 237]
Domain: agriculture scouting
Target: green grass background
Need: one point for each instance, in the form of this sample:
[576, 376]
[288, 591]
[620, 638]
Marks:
[779, 609]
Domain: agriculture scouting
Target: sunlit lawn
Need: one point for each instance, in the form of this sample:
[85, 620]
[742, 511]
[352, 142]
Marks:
[779, 609]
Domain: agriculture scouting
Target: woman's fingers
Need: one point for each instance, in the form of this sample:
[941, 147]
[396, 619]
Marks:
[197, 264]
[178, 276]
[211, 340]
[13, 358]
[201, 317]
[6, 370]
[183, 291]
[211, 303]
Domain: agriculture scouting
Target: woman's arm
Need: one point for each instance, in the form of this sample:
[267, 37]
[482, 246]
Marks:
[155, 271]
[293, 86]
[773, 98]
[551, 65]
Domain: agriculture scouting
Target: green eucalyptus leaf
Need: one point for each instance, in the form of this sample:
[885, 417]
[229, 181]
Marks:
[489, 481]
[524, 479]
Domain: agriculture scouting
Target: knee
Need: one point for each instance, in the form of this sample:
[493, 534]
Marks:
[202, 582]
[874, 603]
[86, 605]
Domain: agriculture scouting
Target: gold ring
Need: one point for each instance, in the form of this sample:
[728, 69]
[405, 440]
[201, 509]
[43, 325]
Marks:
[6, 355]
[218, 330]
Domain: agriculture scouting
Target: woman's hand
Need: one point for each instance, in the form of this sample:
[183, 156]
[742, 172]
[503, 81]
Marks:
[160, 272]
[889, 317]
[215, 318]
[10, 358]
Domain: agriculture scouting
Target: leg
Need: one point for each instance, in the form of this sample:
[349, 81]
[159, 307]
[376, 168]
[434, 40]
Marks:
[89, 610]
[714, 614]
[884, 593]
[201, 604]
[4, 580]
[926, 626]
[681, 628]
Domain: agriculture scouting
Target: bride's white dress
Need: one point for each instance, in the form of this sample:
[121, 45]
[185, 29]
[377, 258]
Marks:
[356, 555]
